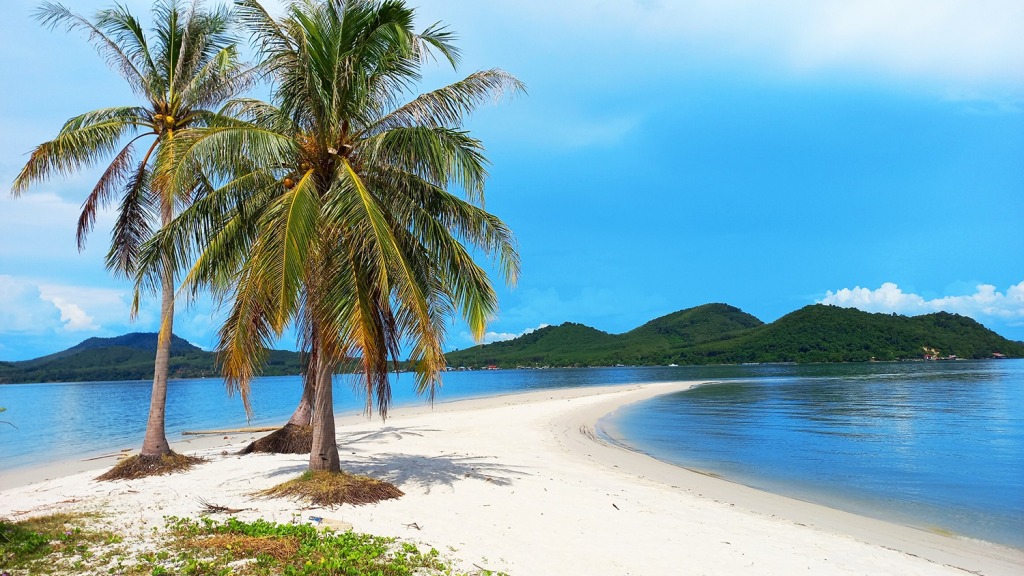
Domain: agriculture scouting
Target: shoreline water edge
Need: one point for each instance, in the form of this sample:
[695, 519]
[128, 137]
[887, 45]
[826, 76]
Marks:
[503, 477]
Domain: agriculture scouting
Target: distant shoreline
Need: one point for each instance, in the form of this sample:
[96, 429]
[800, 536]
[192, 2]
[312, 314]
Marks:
[467, 369]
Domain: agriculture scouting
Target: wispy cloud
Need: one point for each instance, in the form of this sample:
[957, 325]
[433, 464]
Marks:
[502, 336]
[961, 41]
[39, 227]
[985, 303]
[40, 317]
[23, 310]
[86, 308]
[32, 307]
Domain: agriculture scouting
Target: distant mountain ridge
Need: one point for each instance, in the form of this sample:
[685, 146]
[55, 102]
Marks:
[708, 334]
[143, 341]
[723, 334]
[129, 357]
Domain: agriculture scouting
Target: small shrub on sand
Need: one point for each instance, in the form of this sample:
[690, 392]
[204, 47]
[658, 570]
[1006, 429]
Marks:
[323, 488]
[140, 466]
[298, 549]
[280, 548]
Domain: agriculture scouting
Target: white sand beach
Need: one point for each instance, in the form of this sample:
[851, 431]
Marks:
[522, 484]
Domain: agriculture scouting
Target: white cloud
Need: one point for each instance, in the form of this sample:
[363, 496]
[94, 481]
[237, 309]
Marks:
[985, 303]
[963, 41]
[23, 310]
[74, 318]
[86, 308]
[502, 336]
[31, 307]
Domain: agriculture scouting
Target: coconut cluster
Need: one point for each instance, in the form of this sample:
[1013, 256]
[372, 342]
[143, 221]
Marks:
[166, 120]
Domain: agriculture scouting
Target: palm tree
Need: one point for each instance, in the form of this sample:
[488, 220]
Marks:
[188, 66]
[334, 212]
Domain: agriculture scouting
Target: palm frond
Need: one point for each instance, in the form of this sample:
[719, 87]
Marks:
[442, 156]
[132, 227]
[113, 178]
[245, 337]
[71, 151]
[448, 106]
[116, 35]
[280, 254]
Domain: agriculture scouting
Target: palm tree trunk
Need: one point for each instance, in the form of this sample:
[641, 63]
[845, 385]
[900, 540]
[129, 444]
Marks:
[296, 436]
[155, 443]
[303, 414]
[324, 455]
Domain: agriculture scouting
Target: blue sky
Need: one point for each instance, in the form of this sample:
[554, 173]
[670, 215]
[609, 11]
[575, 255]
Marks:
[768, 155]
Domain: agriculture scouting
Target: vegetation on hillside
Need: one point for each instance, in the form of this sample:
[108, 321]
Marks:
[572, 344]
[709, 334]
[721, 334]
[130, 357]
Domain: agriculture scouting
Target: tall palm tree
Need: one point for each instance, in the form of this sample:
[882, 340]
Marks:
[334, 212]
[188, 66]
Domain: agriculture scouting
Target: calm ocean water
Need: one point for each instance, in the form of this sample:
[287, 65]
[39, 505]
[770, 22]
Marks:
[937, 445]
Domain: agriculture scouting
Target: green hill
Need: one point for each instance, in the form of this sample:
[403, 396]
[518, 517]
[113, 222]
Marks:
[128, 357]
[561, 345]
[658, 339]
[722, 334]
[820, 333]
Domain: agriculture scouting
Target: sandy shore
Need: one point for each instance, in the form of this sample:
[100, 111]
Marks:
[522, 484]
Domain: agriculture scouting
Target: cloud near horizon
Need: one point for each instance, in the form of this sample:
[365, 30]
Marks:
[491, 337]
[39, 317]
[985, 303]
[33, 307]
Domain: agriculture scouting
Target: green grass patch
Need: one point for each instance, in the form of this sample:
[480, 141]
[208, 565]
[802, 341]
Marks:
[263, 548]
[54, 544]
[69, 544]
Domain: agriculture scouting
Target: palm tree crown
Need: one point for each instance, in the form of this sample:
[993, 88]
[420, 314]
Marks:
[190, 66]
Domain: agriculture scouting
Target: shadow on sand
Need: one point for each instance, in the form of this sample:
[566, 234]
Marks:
[400, 469]
[426, 471]
[431, 471]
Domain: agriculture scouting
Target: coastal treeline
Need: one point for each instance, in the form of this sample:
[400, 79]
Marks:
[722, 334]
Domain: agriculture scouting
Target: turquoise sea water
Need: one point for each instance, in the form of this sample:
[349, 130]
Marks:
[936, 445]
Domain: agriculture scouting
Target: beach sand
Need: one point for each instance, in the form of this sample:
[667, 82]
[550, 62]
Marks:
[521, 483]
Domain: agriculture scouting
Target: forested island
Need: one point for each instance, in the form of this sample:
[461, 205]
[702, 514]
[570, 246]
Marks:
[130, 357]
[708, 334]
[723, 334]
